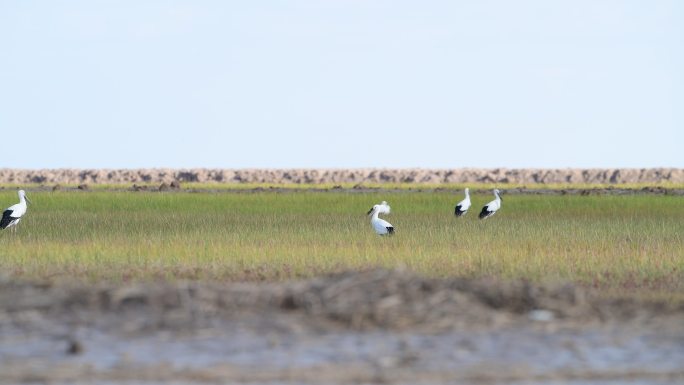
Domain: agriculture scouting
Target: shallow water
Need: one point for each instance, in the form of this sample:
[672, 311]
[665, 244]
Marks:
[535, 355]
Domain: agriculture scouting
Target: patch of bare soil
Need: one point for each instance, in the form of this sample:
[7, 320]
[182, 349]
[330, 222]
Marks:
[356, 327]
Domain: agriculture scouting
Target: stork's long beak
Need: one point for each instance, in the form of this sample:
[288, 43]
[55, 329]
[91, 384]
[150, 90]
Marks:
[27, 199]
[369, 211]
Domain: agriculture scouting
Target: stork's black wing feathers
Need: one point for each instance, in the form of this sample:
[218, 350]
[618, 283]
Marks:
[457, 211]
[485, 212]
[6, 219]
[390, 230]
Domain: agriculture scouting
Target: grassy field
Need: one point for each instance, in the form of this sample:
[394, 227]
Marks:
[609, 241]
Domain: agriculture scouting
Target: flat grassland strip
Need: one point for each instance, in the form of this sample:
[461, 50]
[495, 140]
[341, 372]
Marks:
[617, 242]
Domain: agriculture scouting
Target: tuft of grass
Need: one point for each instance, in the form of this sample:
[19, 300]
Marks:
[613, 242]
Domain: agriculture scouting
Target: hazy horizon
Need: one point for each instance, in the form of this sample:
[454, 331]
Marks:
[341, 84]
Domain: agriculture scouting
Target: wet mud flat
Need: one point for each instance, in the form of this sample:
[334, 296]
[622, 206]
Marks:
[368, 327]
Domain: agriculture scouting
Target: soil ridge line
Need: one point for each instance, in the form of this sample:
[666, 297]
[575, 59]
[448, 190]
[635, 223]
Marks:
[357, 176]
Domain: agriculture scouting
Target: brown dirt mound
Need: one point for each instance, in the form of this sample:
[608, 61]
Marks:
[372, 299]
[500, 175]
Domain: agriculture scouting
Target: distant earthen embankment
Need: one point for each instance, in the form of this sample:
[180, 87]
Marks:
[464, 175]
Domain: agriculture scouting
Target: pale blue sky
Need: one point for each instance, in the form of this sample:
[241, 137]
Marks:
[353, 83]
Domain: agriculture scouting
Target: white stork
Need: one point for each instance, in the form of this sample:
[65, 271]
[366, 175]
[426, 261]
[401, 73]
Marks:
[490, 208]
[381, 226]
[12, 215]
[463, 206]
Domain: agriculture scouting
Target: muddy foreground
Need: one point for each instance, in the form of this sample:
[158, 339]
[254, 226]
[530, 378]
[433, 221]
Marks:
[371, 327]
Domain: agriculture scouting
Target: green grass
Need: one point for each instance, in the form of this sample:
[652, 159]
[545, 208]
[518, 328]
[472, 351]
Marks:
[609, 241]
